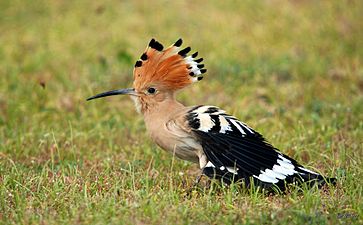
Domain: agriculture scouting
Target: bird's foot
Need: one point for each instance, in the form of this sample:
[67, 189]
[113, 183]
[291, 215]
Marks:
[199, 184]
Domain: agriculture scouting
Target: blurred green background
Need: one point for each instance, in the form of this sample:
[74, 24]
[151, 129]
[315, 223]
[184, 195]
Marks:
[291, 69]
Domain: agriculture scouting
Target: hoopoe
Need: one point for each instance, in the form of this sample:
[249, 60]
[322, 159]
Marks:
[224, 147]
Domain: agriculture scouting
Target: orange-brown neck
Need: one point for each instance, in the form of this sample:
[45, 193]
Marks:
[158, 114]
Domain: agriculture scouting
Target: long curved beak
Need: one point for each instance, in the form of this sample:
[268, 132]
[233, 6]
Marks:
[126, 91]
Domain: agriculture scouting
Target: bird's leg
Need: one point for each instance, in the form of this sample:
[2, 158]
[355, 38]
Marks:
[197, 180]
[195, 184]
[203, 172]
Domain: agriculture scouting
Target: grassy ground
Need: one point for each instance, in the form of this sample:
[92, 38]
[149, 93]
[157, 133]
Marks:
[291, 69]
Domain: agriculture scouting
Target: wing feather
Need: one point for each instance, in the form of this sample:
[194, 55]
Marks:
[239, 155]
[235, 150]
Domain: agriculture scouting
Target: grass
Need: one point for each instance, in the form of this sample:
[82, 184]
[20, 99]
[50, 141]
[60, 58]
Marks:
[292, 70]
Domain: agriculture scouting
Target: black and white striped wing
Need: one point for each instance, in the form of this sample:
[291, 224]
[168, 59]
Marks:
[235, 151]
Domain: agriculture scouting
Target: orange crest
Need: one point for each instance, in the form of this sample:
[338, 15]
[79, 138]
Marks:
[171, 68]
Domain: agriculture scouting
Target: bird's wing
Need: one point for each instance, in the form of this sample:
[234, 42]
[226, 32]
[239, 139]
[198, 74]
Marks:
[234, 150]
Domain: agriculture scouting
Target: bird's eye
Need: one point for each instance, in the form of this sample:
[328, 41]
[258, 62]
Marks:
[151, 90]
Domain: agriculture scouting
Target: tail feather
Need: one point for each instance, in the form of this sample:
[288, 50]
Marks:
[316, 179]
[307, 178]
[321, 180]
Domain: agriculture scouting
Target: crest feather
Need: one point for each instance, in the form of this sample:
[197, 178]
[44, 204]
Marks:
[171, 67]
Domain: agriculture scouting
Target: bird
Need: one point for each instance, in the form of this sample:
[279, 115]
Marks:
[224, 147]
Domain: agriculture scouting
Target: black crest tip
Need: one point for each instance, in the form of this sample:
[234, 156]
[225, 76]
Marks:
[184, 51]
[156, 45]
[203, 70]
[178, 43]
[138, 63]
[159, 46]
[152, 42]
[198, 60]
[144, 57]
[200, 78]
[195, 54]
[200, 66]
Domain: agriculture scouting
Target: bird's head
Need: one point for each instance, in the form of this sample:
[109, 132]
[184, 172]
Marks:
[159, 73]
